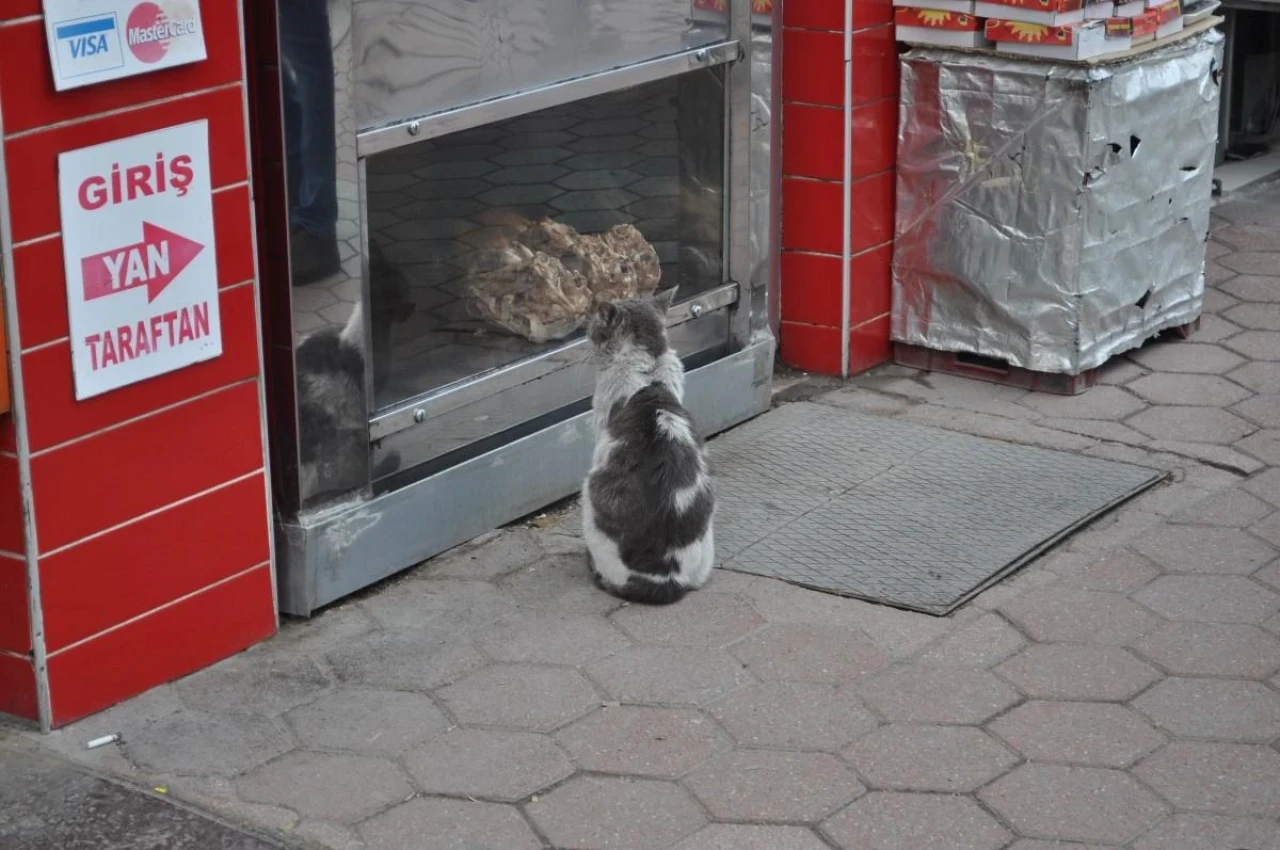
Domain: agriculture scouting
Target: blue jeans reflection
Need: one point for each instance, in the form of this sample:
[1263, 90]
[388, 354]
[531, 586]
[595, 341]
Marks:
[306, 52]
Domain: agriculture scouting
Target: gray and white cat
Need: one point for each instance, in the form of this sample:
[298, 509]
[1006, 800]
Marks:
[647, 503]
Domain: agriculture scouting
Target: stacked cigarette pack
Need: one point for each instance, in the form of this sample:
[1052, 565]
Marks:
[939, 26]
[1051, 13]
[1081, 40]
[1128, 33]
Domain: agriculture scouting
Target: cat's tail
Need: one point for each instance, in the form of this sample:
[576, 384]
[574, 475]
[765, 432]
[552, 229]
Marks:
[648, 592]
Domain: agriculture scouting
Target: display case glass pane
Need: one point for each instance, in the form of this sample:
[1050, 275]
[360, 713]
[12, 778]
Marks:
[492, 245]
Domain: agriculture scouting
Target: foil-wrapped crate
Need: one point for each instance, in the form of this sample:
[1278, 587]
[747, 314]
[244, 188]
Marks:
[1052, 215]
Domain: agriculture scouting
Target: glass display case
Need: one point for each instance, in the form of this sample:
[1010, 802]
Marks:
[452, 206]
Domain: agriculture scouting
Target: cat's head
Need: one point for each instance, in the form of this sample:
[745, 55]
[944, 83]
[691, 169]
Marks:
[618, 326]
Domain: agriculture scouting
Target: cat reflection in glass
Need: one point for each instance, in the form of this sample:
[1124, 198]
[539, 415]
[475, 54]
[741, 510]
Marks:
[647, 502]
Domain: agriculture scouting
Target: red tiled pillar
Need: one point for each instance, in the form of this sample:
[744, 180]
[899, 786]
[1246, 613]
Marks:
[813, 172]
[146, 553]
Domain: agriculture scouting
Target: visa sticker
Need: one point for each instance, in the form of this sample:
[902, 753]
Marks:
[88, 45]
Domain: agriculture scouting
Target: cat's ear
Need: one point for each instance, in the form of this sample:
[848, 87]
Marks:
[664, 299]
[607, 313]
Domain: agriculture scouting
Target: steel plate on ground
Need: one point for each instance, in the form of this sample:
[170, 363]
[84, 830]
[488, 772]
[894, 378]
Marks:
[897, 513]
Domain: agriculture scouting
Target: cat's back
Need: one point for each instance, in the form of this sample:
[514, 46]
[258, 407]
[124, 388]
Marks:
[655, 418]
[655, 449]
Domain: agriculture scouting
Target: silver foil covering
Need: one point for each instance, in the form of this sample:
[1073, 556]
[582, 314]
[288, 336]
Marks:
[1053, 215]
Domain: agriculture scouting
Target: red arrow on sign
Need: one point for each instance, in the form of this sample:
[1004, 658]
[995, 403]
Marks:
[154, 262]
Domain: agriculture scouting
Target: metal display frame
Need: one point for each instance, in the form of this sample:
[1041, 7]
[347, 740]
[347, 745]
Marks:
[488, 476]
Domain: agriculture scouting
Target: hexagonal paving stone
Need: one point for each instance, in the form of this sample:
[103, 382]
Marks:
[663, 743]
[733, 836]
[1263, 410]
[510, 548]
[367, 721]
[1192, 424]
[894, 632]
[548, 638]
[1198, 832]
[558, 585]
[1269, 575]
[254, 684]
[1234, 508]
[1216, 273]
[937, 695]
[765, 785]
[1100, 402]
[1256, 345]
[1198, 390]
[1255, 288]
[1066, 671]
[1224, 709]
[520, 697]
[885, 820]
[409, 660]
[1215, 329]
[1233, 779]
[444, 605]
[668, 674]
[1086, 733]
[1250, 262]
[929, 758]
[342, 788]
[1118, 571]
[615, 812]
[982, 643]
[1209, 599]
[702, 619]
[1037, 844]
[199, 743]
[1265, 485]
[1074, 803]
[1261, 377]
[449, 825]
[1186, 357]
[504, 766]
[1212, 649]
[1246, 236]
[1265, 317]
[1183, 549]
[793, 716]
[1264, 445]
[1061, 614]
[805, 653]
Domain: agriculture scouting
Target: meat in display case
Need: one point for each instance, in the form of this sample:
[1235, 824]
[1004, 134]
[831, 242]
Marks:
[456, 208]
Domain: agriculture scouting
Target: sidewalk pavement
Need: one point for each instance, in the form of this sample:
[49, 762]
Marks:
[50, 804]
[1120, 692]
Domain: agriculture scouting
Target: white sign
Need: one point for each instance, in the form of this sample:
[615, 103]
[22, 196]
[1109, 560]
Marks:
[137, 240]
[95, 40]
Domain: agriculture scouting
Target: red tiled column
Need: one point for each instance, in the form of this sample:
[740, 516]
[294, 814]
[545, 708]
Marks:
[813, 173]
[149, 533]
